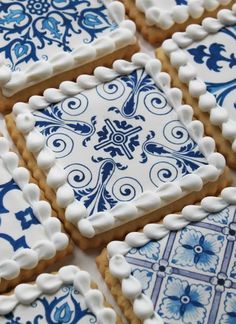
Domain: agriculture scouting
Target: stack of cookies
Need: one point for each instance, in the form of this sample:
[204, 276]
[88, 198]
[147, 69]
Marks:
[124, 148]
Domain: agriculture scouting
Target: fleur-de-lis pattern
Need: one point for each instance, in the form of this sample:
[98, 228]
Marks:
[32, 30]
[18, 224]
[190, 275]
[65, 306]
[121, 152]
[215, 60]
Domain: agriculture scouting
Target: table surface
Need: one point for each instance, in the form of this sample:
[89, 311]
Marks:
[86, 260]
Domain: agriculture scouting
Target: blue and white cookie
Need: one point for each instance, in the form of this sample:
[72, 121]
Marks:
[64, 297]
[182, 270]
[203, 59]
[30, 238]
[116, 147]
[41, 40]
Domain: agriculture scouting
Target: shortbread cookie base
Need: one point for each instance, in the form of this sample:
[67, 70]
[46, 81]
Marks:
[223, 145]
[211, 188]
[30, 274]
[115, 288]
[155, 34]
[6, 103]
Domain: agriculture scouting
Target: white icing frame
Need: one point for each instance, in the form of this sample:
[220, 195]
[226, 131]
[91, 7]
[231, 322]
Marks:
[75, 212]
[46, 283]
[44, 249]
[187, 73]
[121, 269]
[177, 14]
[12, 82]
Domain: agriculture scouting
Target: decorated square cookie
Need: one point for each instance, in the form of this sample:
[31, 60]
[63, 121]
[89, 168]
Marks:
[202, 62]
[159, 19]
[116, 149]
[46, 42]
[30, 238]
[180, 271]
[64, 297]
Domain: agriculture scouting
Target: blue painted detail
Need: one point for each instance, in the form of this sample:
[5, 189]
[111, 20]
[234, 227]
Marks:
[190, 274]
[29, 27]
[115, 139]
[219, 57]
[26, 218]
[4, 189]
[118, 138]
[15, 243]
[63, 307]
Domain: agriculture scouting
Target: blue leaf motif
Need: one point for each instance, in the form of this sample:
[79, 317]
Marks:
[20, 50]
[63, 314]
[92, 20]
[51, 24]
[14, 16]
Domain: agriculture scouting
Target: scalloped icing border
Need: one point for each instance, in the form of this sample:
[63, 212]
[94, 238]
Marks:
[75, 212]
[187, 73]
[57, 241]
[46, 283]
[165, 19]
[12, 82]
[120, 268]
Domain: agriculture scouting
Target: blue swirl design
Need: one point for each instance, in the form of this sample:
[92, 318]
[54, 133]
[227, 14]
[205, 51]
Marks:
[78, 175]
[157, 104]
[52, 119]
[60, 143]
[138, 82]
[64, 308]
[111, 90]
[126, 189]
[29, 26]
[98, 198]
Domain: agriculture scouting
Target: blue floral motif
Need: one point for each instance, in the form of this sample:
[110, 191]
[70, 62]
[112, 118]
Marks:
[185, 302]
[181, 2]
[138, 84]
[220, 217]
[118, 138]
[213, 56]
[65, 307]
[144, 277]
[150, 250]
[28, 27]
[230, 309]
[221, 90]
[198, 250]
[4, 189]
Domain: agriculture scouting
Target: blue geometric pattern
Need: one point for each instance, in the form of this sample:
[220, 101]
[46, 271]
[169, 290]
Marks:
[17, 220]
[129, 142]
[32, 29]
[66, 306]
[190, 275]
[217, 58]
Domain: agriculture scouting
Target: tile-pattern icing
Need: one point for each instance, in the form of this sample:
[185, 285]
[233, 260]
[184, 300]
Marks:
[32, 30]
[19, 228]
[117, 140]
[215, 60]
[190, 275]
[65, 306]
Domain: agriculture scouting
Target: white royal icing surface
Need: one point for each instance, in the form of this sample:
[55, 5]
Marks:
[207, 164]
[204, 57]
[63, 297]
[28, 233]
[26, 64]
[119, 252]
[166, 13]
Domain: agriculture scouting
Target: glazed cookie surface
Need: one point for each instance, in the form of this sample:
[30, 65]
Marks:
[41, 40]
[64, 297]
[29, 234]
[115, 147]
[203, 61]
[181, 270]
